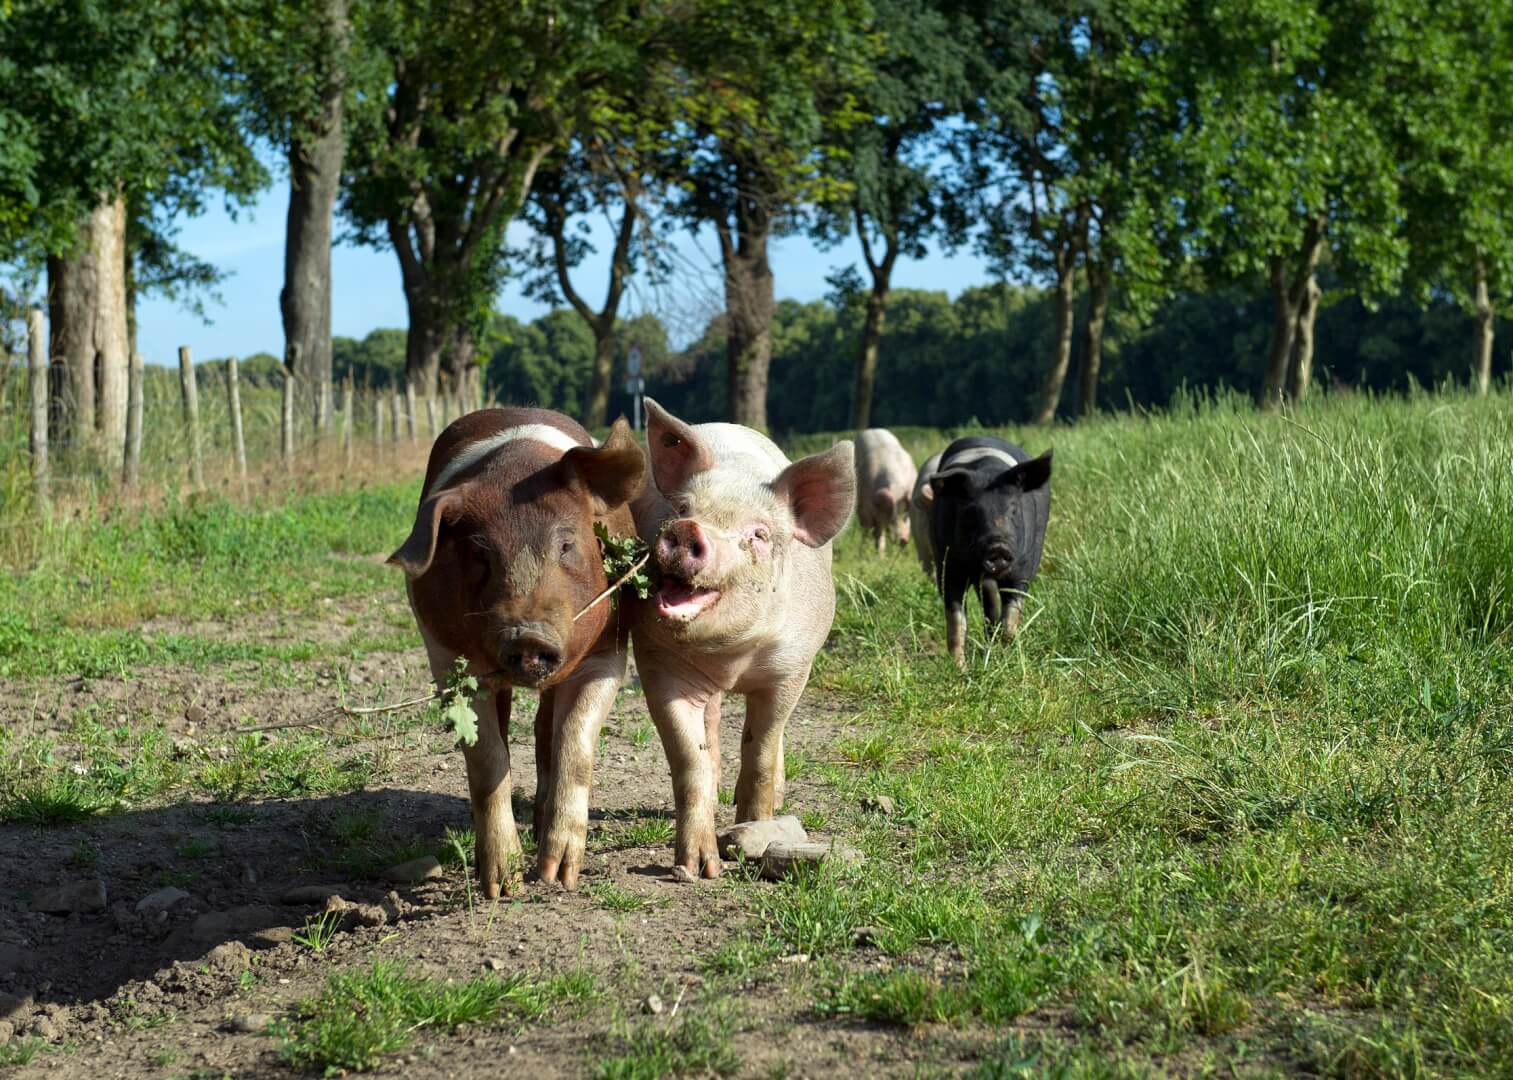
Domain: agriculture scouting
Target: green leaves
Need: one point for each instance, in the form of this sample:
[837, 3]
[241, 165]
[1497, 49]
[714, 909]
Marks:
[621, 554]
[457, 713]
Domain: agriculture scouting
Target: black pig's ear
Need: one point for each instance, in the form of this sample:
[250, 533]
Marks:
[956, 483]
[1027, 475]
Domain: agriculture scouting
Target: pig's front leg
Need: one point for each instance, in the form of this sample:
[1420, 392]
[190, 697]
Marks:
[489, 784]
[497, 851]
[541, 813]
[680, 714]
[578, 710]
[759, 791]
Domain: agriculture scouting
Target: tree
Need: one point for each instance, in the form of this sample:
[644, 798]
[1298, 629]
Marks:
[757, 84]
[1294, 158]
[299, 68]
[890, 160]
[111, 105]
[476, 95]
[598, 173]
[1459, 175]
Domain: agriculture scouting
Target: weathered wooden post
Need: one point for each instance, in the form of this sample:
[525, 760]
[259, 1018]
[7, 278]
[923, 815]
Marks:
[346, 420]
[397, 407]
[378, 424]
[37, 374]
[286, 425]
[234, 401]
[431, 414]
[131, 468]
[410, 408]
[191, 397]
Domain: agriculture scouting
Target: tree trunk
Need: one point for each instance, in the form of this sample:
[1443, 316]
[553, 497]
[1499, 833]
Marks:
[1061, 357]
[749, 305]
[1092, 340]
[876, 318]
[1301, 375]
[1486, 319]
[315, 162]
[596, 408]
[90, 355]
[1289, 288]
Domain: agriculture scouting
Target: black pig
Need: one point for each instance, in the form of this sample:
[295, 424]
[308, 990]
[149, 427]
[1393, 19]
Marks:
[987, 528]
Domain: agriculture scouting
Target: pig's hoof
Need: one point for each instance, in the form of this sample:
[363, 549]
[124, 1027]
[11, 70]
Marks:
[560, 862]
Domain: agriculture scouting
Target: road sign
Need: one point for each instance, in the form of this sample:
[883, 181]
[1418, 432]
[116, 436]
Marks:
[633, 362]
[635, 385]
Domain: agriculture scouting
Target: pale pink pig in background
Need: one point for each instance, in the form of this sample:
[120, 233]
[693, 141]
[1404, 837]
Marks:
[741, 542]
[884, 481]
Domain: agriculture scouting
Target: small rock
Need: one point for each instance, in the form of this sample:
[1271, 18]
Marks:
[248, 1023]
[182, 746]
[311, 894]
[366, 915]
[415, 871]
[493, 963]
[781, 860]
[74, 896]
[355, 678]
[878, 804]
[750, 839]
[196, 715]
[246, 921]
[863, 936]
[14, 1006]
[229, 956]
[44, 1028]
[7, 1029]
[652, 1004]
[684, 875]
[160, 901]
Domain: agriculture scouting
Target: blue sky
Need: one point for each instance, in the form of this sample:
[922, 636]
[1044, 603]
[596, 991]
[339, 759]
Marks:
[367, 293]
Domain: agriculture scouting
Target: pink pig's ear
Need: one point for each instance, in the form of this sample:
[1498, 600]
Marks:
[415, 554]
[821, 492]
[615, 472]
[677, 452]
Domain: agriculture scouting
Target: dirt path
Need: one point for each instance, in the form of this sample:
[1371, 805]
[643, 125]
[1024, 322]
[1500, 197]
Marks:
[128, 992]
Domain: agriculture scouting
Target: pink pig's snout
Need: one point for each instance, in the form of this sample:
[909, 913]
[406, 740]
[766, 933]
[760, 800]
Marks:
[683, 549]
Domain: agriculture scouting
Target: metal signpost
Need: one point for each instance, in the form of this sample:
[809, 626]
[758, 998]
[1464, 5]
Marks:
[635, 386]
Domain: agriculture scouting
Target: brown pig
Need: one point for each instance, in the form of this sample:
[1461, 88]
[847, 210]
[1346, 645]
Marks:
[502, 559]
[884, 481]
[741, 544]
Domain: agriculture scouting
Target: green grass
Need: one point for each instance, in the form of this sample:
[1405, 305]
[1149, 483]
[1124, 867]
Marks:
[697, 1043]
[1239, 797]
[1247, 773]
[364, 1016]
[611, 897]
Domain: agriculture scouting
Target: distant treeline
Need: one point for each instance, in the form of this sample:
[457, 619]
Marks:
[943, 363]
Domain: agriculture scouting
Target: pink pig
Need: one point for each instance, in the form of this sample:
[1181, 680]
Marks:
[741, 541]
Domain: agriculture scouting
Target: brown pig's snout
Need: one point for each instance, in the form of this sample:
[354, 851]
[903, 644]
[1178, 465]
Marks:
[683, 549]
[530, 652]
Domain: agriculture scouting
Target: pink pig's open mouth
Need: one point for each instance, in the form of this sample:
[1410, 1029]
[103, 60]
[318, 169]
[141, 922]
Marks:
[683, 601]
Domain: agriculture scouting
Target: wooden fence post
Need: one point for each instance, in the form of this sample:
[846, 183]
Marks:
[346, 420]
[431, 414]
[131, 470]
[191, 396]
[286, 425]
[37, 374]
[397, 407]
[378, 423]
[234, 400]
[410, 408]
[323, 409]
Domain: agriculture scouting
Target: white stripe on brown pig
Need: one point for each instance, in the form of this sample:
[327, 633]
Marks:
[741, 542]
[502, 557]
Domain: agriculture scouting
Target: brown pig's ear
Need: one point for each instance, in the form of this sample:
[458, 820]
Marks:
[820, 490]
[677, 452]
[615, 472]
[415, 554]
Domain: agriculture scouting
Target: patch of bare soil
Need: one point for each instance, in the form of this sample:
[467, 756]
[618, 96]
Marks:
[153, 983]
